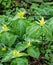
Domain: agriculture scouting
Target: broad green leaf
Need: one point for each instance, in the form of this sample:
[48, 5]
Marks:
[21, 46]
[7, 38]
[50, 23]
[33, 51]
[8, 57]
[47, 32]
[3, 53]
[19, 61]
[19, 27]
[34, 32]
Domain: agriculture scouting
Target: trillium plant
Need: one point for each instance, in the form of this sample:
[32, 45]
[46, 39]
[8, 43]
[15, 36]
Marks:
[20, 39]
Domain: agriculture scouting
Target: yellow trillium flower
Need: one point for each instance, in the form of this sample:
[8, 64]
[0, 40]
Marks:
[16, 54]
[3, 48]
[42, 22]
[4, 28]
[20, 14]
[28, 44]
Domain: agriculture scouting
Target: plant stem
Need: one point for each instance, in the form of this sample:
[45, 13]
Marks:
[49, 45]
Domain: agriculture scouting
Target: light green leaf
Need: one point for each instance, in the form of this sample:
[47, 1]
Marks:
[7, 38]
[34, 32]
[21, 46]
[33, 51]
[8, 57]
[47, 32]
[19, 27]
[19, 61]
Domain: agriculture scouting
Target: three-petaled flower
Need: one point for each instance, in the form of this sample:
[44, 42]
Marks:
[16, 54]
[42, 22]
[20, 14]
[3, 48]
[4, 28]
[28, 44]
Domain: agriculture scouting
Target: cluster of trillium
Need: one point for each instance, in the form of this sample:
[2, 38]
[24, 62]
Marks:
[4, 28]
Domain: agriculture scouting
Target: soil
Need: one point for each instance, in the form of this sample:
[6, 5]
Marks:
[33, 61]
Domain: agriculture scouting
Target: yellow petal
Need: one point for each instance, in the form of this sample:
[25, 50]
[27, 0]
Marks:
[3, 48]
[16, 54]
[4, 28]
[42, 22]
[20, 14]
[28, 44]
